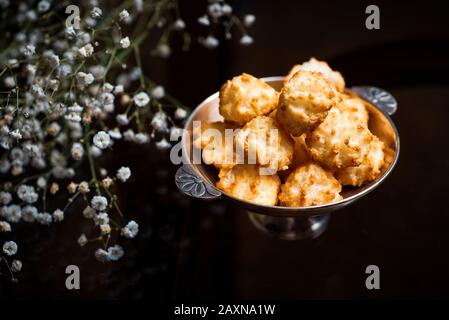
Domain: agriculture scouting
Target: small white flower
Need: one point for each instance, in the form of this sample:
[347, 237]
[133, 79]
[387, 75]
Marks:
[58, 215]
[246, 40]
[215, 10]
[82, 240]
[130, 230]
[204, 20]
[141, 99]
[16, 266]
[163, 144]
[141, 138]
[5, 226]
[179, 24]
[99, 203]
[10, 82]
[10, 248]
[124, 43]
[210, 42]
[102, 140]
[70, 32]
[163, 50]
[44, 218]
[115, 134]
[129, 135]
[158, 92]
[175, 133]
[159, 122]
[102, 255]
[115, 253]
[180, 113]
[122, 119]
[84, 79]
[43, 6]
[96, 13]
[15, 134]
[29, 50]
[41, 182]
[27, 193]
[5, 197]
[123, 174]
[77, 151]
[12, 213]
[86, 51]
[226, 9]
[101, 218]
[29, 214]
[118, 89]
[96, 152]
[89, 212]
[249, 20]
[123, 15]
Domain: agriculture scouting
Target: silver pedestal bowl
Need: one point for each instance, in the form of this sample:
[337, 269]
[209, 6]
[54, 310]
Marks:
[289, 223]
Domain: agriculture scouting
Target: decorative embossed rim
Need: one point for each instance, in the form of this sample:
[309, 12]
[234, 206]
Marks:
[379, 97]
[189, 182]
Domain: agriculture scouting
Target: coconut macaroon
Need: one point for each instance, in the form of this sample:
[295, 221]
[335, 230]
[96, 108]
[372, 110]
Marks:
[368, 171]
[300, 153]
[309, 185]
[246, 97]
[304, 102]
[339, 141]
[244, 181]
[356, 106]
[265, 143]
[216, 140]
[333, 77]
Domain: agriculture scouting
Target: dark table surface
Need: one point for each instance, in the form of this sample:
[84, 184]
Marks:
[193, 250]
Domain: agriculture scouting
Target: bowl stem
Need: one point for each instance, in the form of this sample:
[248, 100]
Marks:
[291, 228]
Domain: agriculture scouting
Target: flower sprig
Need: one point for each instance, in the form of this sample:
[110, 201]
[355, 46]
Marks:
[67, 95]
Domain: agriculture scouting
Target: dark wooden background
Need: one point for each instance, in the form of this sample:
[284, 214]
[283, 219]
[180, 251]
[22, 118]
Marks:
[210, 251]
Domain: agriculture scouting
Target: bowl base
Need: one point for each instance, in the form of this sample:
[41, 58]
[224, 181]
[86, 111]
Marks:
[291, 228]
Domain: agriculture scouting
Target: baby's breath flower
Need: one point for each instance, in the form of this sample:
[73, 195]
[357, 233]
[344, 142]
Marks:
[96, 13]
[115, 253]
[124, 43]
[130, 230]
[123, 174]
[29, 50]
[58, 215]
[249, 20]
[77, 151]
[159, 122]
[44, 218]
[5, 226]
[102, 140]
[101, 218]
[99, 203]
[123, 15]
[72, 186]
[82, 240]
[84, 79]
[102, 255]
[158, 92]
[179, 24]
[105, 229]
[163, 50]
[115, 134]
[163, 144]
[141, 138]
[54, 188]
[175, 133]
[89, 212]
[107, 182]
[10, 248]
[86, 51]
[27, 193]
[141, 99]
[29, 214]
[16, 266]
[180, 113]
[210, 42]
[122, 119]
[5, 197]
[83, 187]
[43, 6]
[246, 40]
